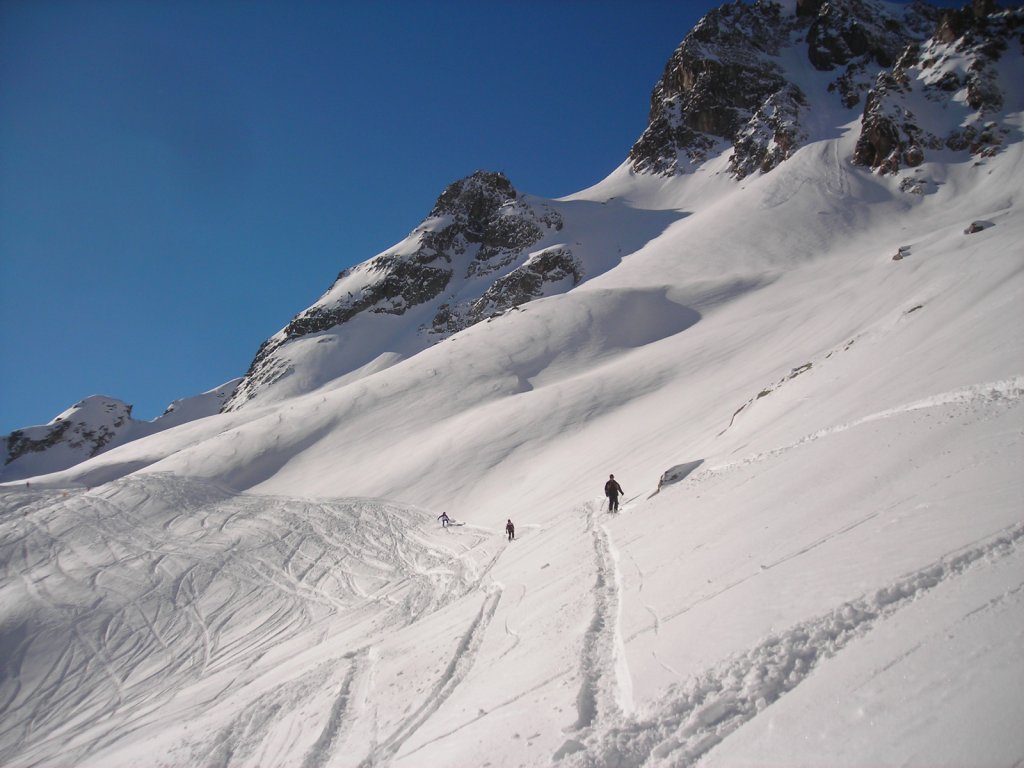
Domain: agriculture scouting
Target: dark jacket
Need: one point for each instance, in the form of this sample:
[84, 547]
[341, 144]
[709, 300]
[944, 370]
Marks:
[612, 488]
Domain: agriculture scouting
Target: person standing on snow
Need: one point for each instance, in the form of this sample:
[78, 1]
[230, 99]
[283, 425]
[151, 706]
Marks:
[443, 517]
[612, 490]
[510, 529]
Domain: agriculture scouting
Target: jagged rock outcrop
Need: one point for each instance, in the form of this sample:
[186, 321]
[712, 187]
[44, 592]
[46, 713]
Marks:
[954, 74]
[726, 87]
[471, 258]
[720, 86]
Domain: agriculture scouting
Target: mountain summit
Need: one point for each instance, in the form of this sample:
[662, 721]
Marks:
[739, 81]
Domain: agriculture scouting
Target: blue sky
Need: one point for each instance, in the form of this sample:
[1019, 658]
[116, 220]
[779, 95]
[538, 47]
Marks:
[178, 179]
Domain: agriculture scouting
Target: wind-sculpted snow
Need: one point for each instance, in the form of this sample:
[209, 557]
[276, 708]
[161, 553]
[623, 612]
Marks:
[160, 594]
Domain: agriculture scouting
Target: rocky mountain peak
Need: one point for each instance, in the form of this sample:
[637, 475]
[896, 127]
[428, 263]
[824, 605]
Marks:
[92, 426]
[83, 430]
[725, 85]
[468, 260]
[476, 197]
[712, 87]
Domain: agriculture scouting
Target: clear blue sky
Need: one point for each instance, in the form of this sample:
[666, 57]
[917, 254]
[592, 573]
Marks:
[178, 179]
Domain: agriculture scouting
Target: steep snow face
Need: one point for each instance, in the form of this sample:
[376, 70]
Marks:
[93, 426]
[749, 86]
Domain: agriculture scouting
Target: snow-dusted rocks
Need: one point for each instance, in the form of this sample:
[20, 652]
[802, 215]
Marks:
[947, 93]
[83, 430]
[721, 84]
[727, 85]
[92, 426]
[478, 253]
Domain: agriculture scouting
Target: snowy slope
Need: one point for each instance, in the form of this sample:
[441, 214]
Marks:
[831, 572]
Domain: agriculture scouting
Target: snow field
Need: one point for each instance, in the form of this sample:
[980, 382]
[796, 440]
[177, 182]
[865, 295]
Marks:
[838, 581]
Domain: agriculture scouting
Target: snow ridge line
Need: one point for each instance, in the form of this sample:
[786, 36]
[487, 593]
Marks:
[460, 665]
[996, 391]
[605, 686]
[693, 717]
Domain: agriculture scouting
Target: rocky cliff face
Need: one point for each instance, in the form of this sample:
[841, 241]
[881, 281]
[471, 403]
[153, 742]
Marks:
[727, 84]
[477, 254]
[945, 93]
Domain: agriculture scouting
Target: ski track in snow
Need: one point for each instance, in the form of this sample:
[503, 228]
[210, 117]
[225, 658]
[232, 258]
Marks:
[461, 663]
[690, 718]
[333, 731]
[119, 601]
[604, 684]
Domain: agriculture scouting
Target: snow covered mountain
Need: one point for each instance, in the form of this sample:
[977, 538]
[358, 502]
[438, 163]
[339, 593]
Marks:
[755, 82]
[94, 425]
[806, 372]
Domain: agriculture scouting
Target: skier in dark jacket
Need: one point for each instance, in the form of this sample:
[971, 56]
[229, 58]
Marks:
[443, 517]
[612, 490]
[510, 529]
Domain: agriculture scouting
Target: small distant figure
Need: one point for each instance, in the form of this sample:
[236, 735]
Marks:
[612, 490]
[510, 529]
[443, 517]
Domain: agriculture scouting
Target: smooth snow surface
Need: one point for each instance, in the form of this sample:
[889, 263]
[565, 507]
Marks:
[832, 572]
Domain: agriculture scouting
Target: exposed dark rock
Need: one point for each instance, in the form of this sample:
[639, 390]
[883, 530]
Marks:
[527, 282]
[86, 428]
[724, 86]
[978, 226]
[721, 83]
[960, 59]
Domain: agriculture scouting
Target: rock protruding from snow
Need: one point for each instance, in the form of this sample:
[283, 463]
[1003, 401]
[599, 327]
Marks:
[725, 84]
[720, 87]
[82, 431]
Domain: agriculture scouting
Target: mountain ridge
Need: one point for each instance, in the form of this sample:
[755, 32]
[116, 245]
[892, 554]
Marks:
[486, 248]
